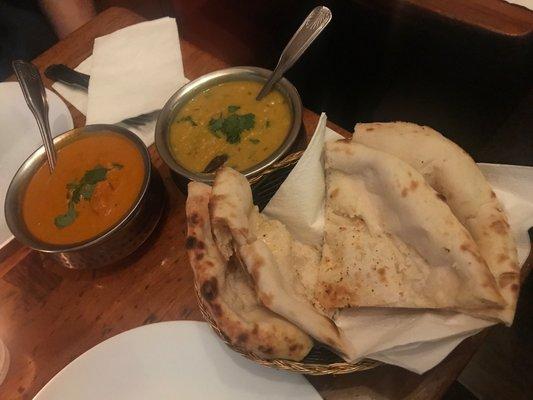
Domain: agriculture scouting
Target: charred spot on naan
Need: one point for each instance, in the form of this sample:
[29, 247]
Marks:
[265, 349]
[473, 251]
[293, 348]
[242, 338]
[502, 257]
[507, 278]
[194, 219]
[500, 226]
[192, 243]
[333, 295]
[382, 275]
[209, 289]
[334, 193]
[411, 188]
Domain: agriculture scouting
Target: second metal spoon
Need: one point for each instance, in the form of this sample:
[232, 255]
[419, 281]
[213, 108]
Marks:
[315, 23]
[35, 95]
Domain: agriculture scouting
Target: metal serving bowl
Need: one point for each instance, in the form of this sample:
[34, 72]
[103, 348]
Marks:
[183, 95]
[110, 246]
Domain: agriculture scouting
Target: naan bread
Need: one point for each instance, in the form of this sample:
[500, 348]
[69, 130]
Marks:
[391, 241]
[454, 174]
[298, 262]
[227, 291]
[273, 258]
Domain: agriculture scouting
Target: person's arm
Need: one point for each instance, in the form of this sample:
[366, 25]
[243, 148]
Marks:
[67, 15]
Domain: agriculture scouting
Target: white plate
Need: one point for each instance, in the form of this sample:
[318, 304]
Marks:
[171, 360]
[19, 136]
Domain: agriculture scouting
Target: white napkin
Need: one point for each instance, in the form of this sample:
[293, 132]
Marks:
[133, 71]
[415, 340]
[523, 3]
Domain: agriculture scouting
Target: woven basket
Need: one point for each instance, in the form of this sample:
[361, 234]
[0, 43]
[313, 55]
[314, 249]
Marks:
[320, 360]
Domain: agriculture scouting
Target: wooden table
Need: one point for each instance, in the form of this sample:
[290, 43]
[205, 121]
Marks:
[50, 315]
[495, 16]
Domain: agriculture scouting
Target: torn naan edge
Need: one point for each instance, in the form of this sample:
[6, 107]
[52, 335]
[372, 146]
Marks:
[274, 259]
[227, 291]
[391, 241]
[453, 173]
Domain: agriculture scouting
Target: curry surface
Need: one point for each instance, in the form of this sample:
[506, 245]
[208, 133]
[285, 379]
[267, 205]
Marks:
[193, 144]
[47, 195]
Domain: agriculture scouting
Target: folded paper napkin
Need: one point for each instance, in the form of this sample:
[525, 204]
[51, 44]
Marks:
[413, 339]
[133, 71]
[524, 3]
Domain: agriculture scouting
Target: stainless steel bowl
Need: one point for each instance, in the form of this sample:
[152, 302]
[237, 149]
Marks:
[110, 246]
[183, 95]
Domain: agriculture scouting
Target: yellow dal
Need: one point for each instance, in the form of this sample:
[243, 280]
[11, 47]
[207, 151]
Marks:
[195, 146]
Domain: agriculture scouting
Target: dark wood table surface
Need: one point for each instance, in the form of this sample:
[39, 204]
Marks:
[50, 315]
[496, 16]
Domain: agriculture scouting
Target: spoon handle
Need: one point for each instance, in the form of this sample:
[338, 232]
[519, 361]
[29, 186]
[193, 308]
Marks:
[33, 89]
[315, 22]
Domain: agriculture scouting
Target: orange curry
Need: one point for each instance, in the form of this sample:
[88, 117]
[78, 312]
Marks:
[96, 181]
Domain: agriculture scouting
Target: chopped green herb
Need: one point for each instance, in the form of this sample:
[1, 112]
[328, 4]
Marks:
[254, 140]
[232, 126]
[68, 218]
[95, 175]
[83, 189]
[188, 118]
[86, 191]
[215, 124]
[267, 123]
[232, 109]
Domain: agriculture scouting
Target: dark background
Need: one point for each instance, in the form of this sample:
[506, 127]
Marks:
[388, 63]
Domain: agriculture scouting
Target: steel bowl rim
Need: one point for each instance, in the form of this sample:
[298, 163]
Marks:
[193, 87]
[16, 223]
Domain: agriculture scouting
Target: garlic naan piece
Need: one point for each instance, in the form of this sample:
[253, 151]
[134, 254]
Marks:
[391, 241]
[453, 173]
[228, 293]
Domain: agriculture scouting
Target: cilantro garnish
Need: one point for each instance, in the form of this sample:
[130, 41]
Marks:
[215, 124]
[68, 218]
[83, 189]
[254, 140]
[232, 109]
[231, 126]
[188, 118]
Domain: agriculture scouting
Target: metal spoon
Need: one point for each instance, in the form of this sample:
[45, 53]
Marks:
[315, 22]
[33, 89]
